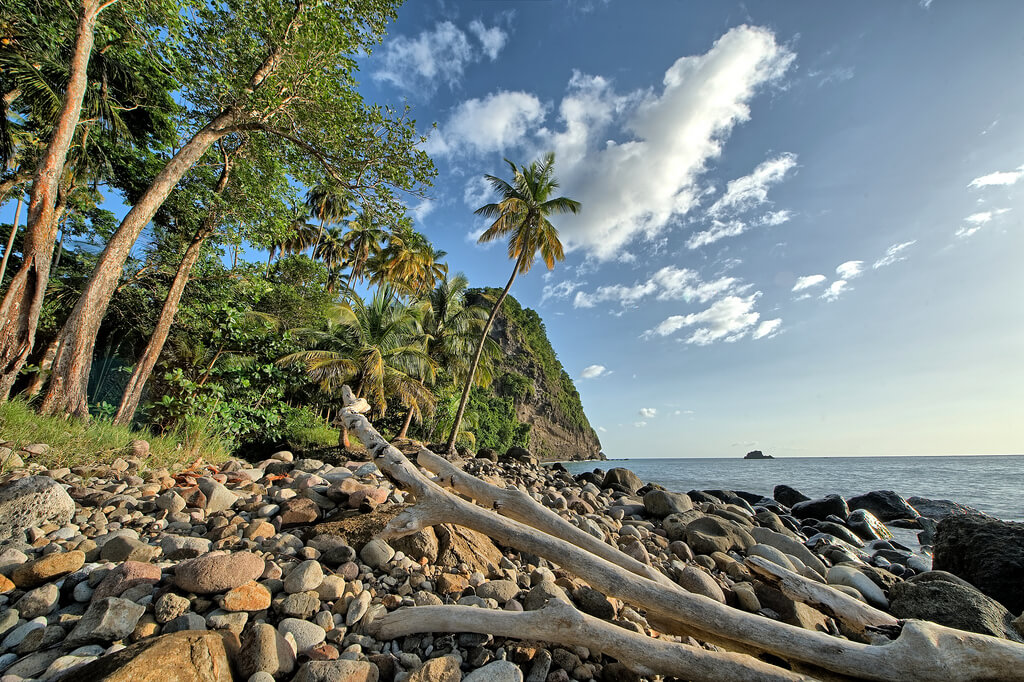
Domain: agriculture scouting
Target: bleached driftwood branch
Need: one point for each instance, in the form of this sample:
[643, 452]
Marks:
[923, 651]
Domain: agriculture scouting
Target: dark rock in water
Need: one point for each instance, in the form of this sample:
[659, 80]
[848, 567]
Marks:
[622, 479]
[703, 496]
[788, 496]
[988, 553]
[661, 503]
[867, 526]
[953, 605]
[596, 477]
[822, 507]
[940, 509]
[757, 454]
[885, 504]
[841, 532]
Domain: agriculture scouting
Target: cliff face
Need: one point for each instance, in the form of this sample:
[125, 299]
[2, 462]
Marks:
[543, 395]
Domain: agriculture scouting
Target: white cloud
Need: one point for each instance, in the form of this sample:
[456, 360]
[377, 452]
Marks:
[477, 192]
[634, 161]
[648, 412]
[850, 269]
[493, 39]
[593, 372]
[437, 55]
[733, 228]
[602, 429]
[892, 254]
[728, 319]
[750, 191]
[976, 221]
[492, 124]
[561, 290]
[998, 178]
[669, 283]
[808, 281]
[835, 290]
[640, 424]
[767, 329]
[421, 210]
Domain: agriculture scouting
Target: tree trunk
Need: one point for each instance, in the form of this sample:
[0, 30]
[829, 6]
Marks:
[343, 441]
[45, 363]
[70, 378]
[60, 251]
[450, 447]
[23, 301]
[405, 424]
[144, 366]
[10, 240]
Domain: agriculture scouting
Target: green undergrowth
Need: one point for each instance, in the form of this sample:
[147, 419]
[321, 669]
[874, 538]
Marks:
[74, 443]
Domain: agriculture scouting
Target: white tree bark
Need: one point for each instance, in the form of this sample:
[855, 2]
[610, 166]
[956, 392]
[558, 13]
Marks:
[923, 651]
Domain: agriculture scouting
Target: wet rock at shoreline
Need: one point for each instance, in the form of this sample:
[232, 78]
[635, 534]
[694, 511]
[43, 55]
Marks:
[986, 552]
[884, 504]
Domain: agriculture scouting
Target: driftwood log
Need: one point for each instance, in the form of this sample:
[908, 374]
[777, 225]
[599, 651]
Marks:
[899, 650]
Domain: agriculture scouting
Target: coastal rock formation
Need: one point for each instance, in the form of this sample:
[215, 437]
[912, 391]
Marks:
[958, 606]
[986, 552]
[884, 504]
[542, 394]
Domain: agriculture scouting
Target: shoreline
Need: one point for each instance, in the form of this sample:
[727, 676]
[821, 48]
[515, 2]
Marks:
[281, 558]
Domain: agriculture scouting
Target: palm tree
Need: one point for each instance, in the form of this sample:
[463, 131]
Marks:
[522, 214]
[410, 262]
[378, 346]
[300, 236]
[329, 204]
[363, 242]
[331, 252]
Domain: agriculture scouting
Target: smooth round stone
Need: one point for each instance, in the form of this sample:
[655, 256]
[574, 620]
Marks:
[376, 553]
[268, 510]
[331, 588]
[248, 597]
[773, 555]
[261, 676]
[499, 671]
[38, 602]
[499, 590]
[307, 635]
[214, 573]
[18, 634]
[306, 576]
[851, 577]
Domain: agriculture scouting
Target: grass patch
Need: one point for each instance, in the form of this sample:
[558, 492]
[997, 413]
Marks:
[74, 443]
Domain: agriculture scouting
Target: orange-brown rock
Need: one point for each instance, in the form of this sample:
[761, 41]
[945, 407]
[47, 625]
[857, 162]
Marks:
[248, 597]
[188, 656]
[47, 568]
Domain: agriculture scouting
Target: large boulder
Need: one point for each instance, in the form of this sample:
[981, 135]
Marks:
[623, 480]
[940, 509]
[788, 496]
[218, 572]
[31, 502]
[986, 552]
[821, 508]
[458, 545]
[179, 657]
[662, 503]
[952, 604]
[884, 504]
[715, 534]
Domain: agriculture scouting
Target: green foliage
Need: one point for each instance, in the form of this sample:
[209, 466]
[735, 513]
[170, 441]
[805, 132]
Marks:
[495, 423]
[516, 385]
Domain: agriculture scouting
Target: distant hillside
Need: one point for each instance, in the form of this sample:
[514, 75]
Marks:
[529, 375]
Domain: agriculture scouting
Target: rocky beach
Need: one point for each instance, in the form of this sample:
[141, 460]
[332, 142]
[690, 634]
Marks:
[274, 570]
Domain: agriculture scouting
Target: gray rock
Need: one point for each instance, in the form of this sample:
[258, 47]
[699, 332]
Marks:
[31, 502]
[538, 596]
[788, 496]
[499, 671]
[306, 576]
[212, 573]
[767, 536]
[300, 604]
[38, 602]
[661, 503]
[169, 606]
[128, 549]
[988, 553]
[867, 526]
[851, 577]
[592, 602]
[822, 507]
[953, 605]
[333, 671]
[622, 479]
[692, 579]
[307, 635]
[183, 546]
[884, 504]
[189, 621]
[264, 650]
[218, 498]
[376, 553]
[499, 590]
[675, 525]
[715, 534]
[772, 554]
[106, 620]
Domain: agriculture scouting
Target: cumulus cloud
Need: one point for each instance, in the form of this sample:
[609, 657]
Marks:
[497, 122]
[560, 290]
[835, 290]
[477, 192]
[850, 269]
[492, 39]
[648, 412]
[767, 329]
[808, 281]
[634, 160]
[998, 178]
[728, 319]
[593, 372]
[668, 284]
[750, 191]
[434, 56]
[976, 221]
[893, 254]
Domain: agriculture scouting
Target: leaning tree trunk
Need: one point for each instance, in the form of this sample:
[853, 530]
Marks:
[10, 240]
[406, 424]
[70, 377]
[911, 650]
[45, 363]
[450, 447]
[23, 300]
[144, 366]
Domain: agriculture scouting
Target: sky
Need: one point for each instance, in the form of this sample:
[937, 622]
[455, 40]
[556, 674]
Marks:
[801, 221]
[801, 226]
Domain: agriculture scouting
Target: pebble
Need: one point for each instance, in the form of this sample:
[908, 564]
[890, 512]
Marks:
[308, 575]
[212, 573]
[307, 635]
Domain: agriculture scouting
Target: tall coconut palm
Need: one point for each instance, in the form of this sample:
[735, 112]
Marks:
[410, 262]
[522, 215]
[331, 252]
[378, 346]
[301, 235]
[363, 242]
[329, 204]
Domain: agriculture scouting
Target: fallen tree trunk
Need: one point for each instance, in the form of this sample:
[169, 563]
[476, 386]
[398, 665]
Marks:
[923, 651]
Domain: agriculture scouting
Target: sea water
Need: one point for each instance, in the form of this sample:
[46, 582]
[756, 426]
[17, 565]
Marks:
[992, 484]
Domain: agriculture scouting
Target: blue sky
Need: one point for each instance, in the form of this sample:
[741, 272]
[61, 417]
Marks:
[801, 225]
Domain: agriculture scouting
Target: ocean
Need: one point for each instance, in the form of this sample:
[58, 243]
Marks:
[992, 484]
